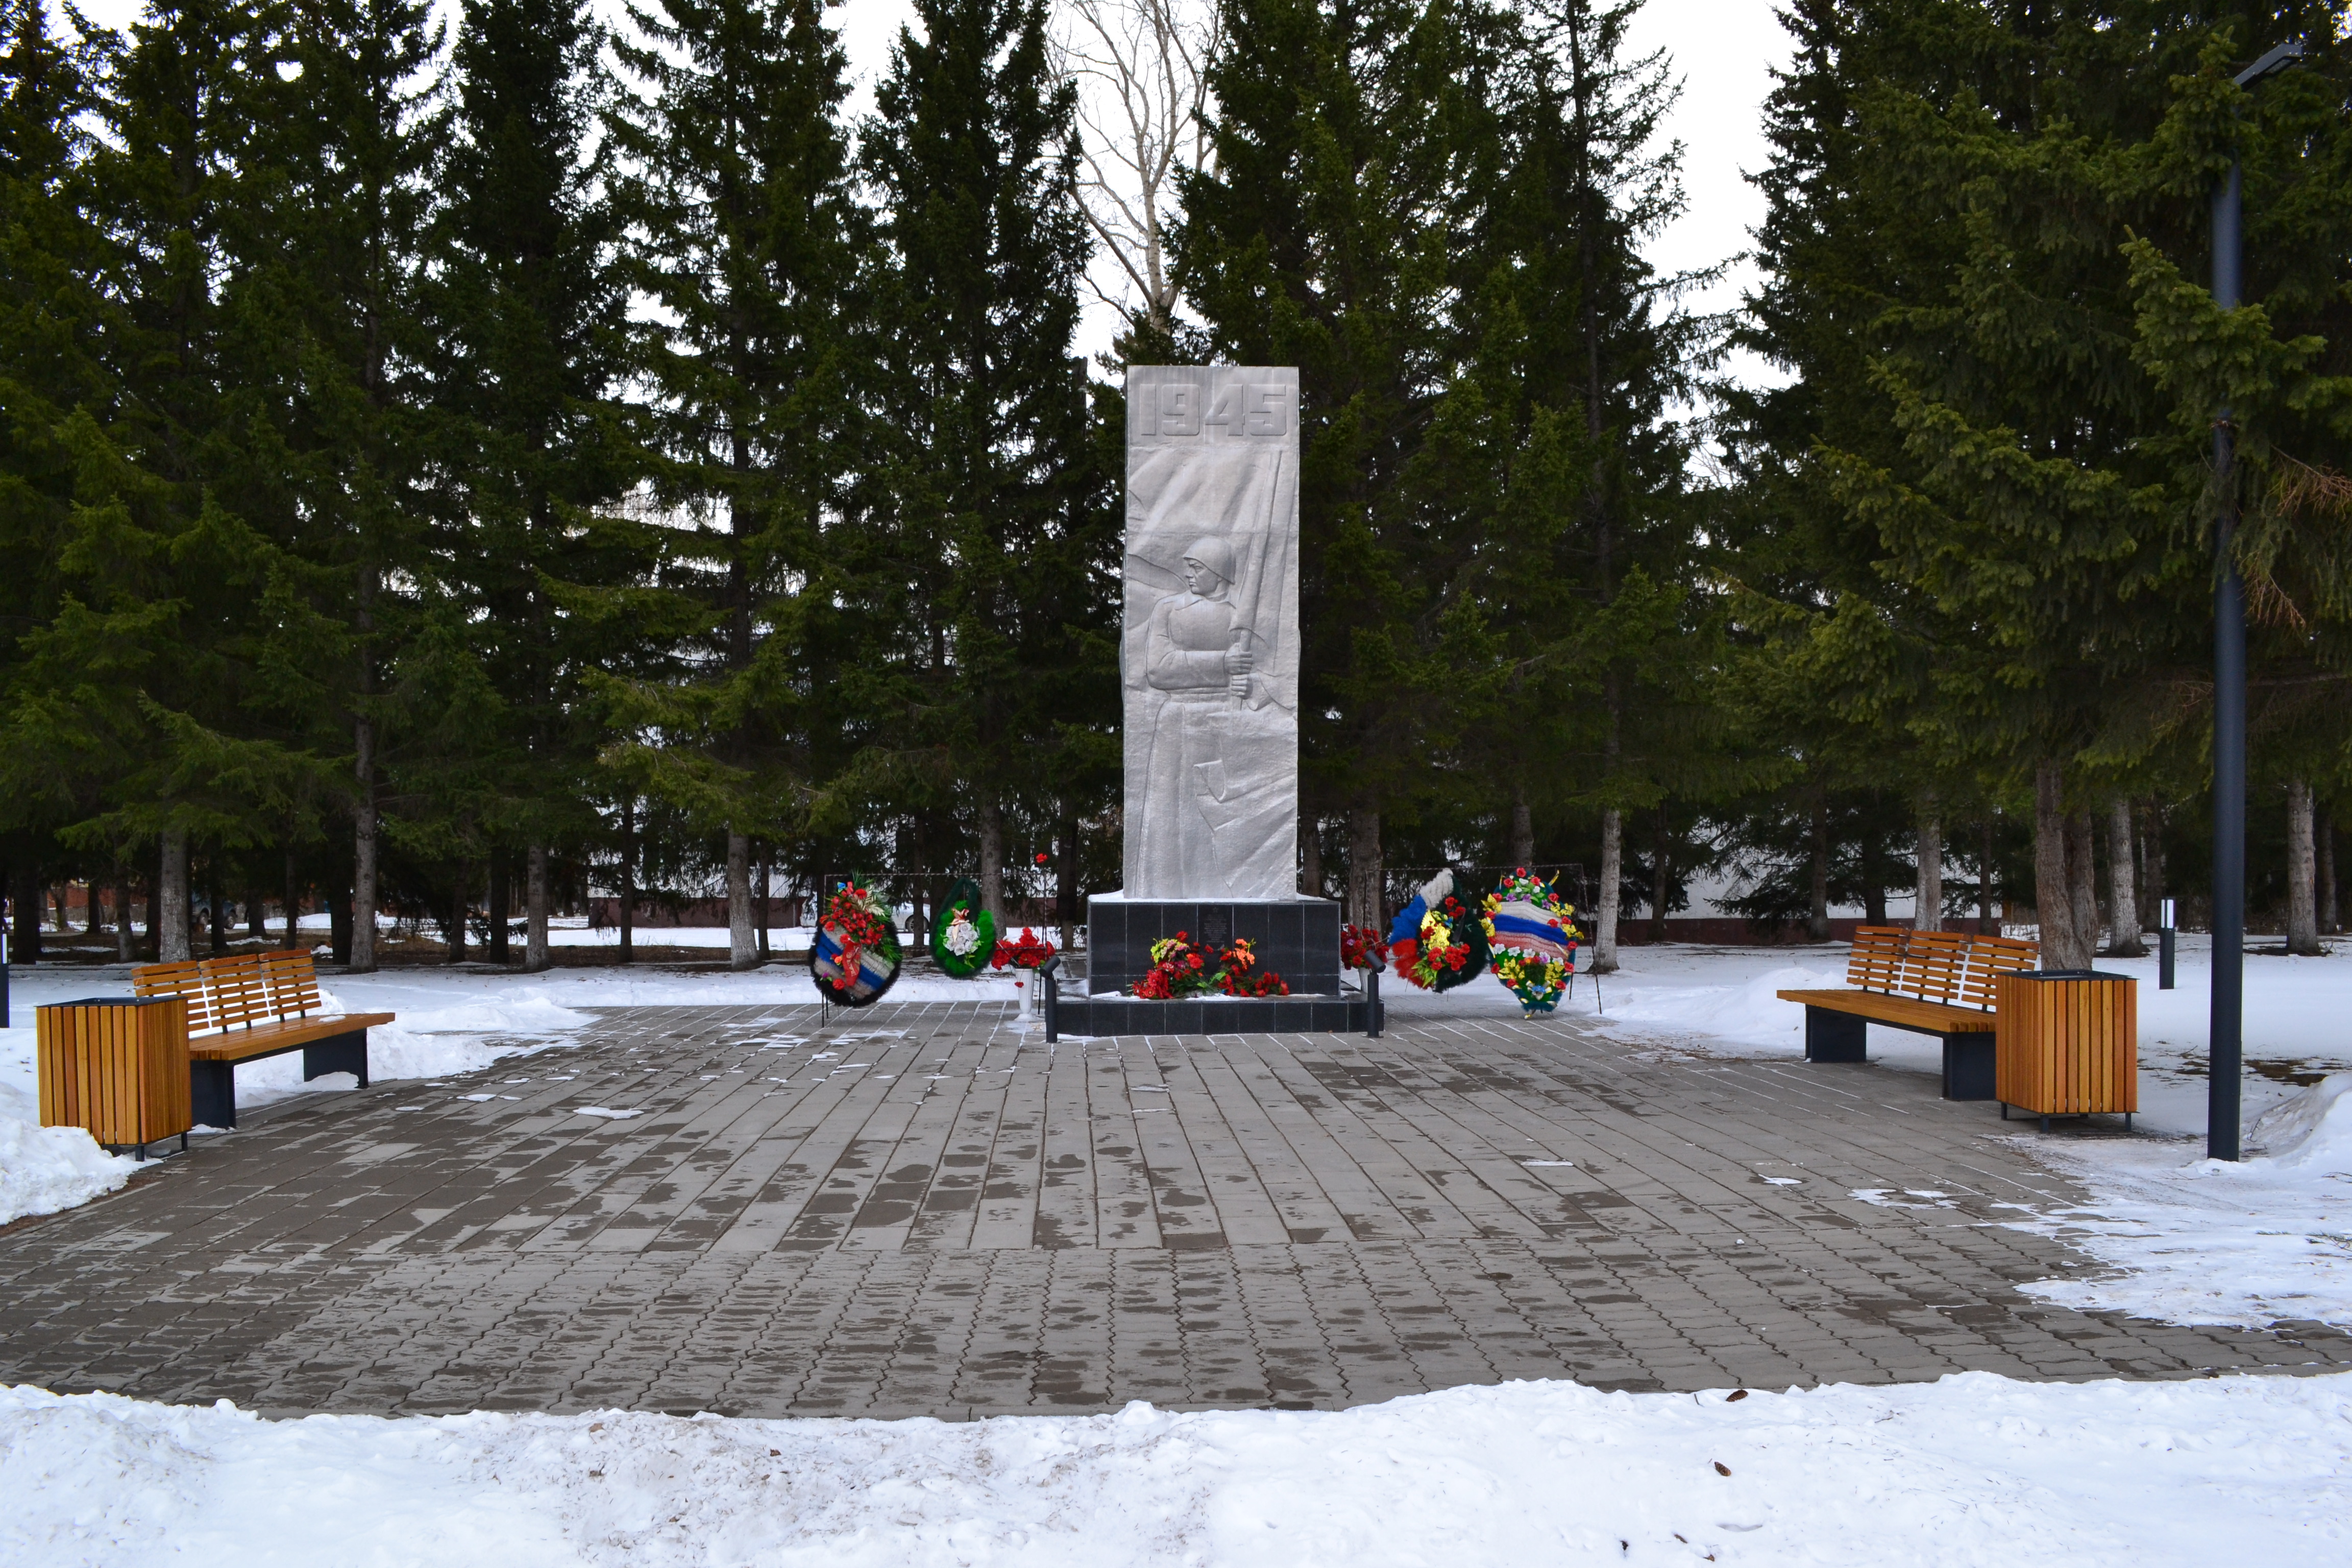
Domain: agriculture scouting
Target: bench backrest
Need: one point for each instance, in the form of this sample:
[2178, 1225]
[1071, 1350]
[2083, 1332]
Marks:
[236, 993]
[1877, 962]
[1935, 965]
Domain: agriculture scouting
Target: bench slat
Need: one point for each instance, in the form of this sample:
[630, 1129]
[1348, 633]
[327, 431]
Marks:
[1903, 1012]
[239, 996]
[183, 979]
[293, 979]
[1990, 958]
[1877, 962]
[269, 1039]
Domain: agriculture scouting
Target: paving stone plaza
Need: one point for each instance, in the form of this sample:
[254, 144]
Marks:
[921, 1210]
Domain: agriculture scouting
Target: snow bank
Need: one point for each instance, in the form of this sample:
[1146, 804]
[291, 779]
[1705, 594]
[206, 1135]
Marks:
[1973, 1469]
[44, 1169]
[2265, 1240]
[1742, 1010]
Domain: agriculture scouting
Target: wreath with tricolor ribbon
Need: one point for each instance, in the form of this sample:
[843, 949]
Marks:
[856, 958]
[1533, 937]
[1438, 942]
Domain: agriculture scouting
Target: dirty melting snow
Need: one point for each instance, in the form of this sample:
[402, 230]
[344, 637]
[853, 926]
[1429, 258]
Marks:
[2266, 1239]
[1973, 1469]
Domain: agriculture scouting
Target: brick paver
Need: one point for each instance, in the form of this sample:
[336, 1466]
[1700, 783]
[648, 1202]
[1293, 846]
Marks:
[920, 1210]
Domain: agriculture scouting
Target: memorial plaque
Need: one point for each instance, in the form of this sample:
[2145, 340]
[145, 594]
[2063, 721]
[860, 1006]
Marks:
[1209, 655]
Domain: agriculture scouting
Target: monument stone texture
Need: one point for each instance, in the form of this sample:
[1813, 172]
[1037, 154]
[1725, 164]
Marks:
[1209, 663]
[1209, 655]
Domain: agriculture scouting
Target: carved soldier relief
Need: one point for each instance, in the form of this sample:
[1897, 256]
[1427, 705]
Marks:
[1210, 652]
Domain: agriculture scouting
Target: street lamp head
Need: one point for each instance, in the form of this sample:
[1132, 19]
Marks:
[2270, 64]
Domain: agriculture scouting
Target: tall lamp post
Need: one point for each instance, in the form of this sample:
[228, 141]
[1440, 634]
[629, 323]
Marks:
[2225, 1057]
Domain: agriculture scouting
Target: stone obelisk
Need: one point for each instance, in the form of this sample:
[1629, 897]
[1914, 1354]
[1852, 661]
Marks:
[1209, 667]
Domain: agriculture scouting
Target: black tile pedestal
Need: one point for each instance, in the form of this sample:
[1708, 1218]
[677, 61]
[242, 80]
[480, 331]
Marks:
[1297, 939]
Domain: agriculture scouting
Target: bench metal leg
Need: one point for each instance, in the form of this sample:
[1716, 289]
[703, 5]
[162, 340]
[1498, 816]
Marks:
[212, 1093]
[343, 1053]
[1969, 1065]
[1835, 1037]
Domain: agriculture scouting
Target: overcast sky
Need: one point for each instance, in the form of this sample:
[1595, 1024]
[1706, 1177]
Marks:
[1724, 51]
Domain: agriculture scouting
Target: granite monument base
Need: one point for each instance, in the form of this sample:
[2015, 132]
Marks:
[1351, 1014]
[1297, 939]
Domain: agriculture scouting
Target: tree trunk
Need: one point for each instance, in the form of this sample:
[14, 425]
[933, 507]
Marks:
[992, 861]
[767, 871]
[216, 927]
[2324, 837]
[501, 908]
[461, 905]
[2151, 858]
[2053, 892]
[1928, 895]
[1612, 870]
[25, 893]
[1985, 926]
[2123, 885]
[1521, 851]
[1310, 856]
[293, 902]
[173, 941]
[1817, 924]
[628, 879]
[1364, 870]
[534, 938]
[2302, 917]
[742, 947]
[1065, 883]
[2083, 885]
[363, 829]
[1661, 876]
[123, 950]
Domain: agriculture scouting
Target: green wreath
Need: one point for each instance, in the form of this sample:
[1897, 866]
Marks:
[962, 909]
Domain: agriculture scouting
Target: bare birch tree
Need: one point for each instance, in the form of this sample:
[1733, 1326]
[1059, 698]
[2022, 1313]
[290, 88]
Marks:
[1142, 70]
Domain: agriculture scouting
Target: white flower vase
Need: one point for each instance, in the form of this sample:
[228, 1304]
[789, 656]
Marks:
[1024, 986]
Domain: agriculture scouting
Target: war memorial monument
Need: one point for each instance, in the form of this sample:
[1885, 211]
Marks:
[1209, 664]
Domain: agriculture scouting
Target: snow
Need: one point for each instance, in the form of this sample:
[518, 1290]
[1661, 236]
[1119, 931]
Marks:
[1719, 1001]
[46, 1169]
[448, 1021]
[1973, 1469]
[2191, 1240]
[2182, 1239]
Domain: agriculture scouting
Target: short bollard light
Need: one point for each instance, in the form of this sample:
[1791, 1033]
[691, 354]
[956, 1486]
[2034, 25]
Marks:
[2165, 933]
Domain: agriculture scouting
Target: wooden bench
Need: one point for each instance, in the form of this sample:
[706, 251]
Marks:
[242, 1009]
[1931, 983]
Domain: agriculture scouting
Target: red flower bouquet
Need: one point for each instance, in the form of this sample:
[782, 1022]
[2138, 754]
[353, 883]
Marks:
[1180, 969]
[1029, 952]
[1362, 947]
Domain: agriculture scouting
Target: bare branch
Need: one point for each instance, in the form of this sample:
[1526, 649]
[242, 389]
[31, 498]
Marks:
[1142, 68]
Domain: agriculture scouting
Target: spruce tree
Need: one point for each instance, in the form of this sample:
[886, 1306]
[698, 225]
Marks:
[1325, 237]
[990, 535]
[747, 240]
[530, 309]
[338, 275]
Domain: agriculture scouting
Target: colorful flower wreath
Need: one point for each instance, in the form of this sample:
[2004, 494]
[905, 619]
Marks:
[963, 939]
[1449, 949]
[1179, 969]
[1533, 936]
[856, 956]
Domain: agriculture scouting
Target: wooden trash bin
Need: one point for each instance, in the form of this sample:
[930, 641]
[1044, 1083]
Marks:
[117, 1066]
[2067, 1043]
